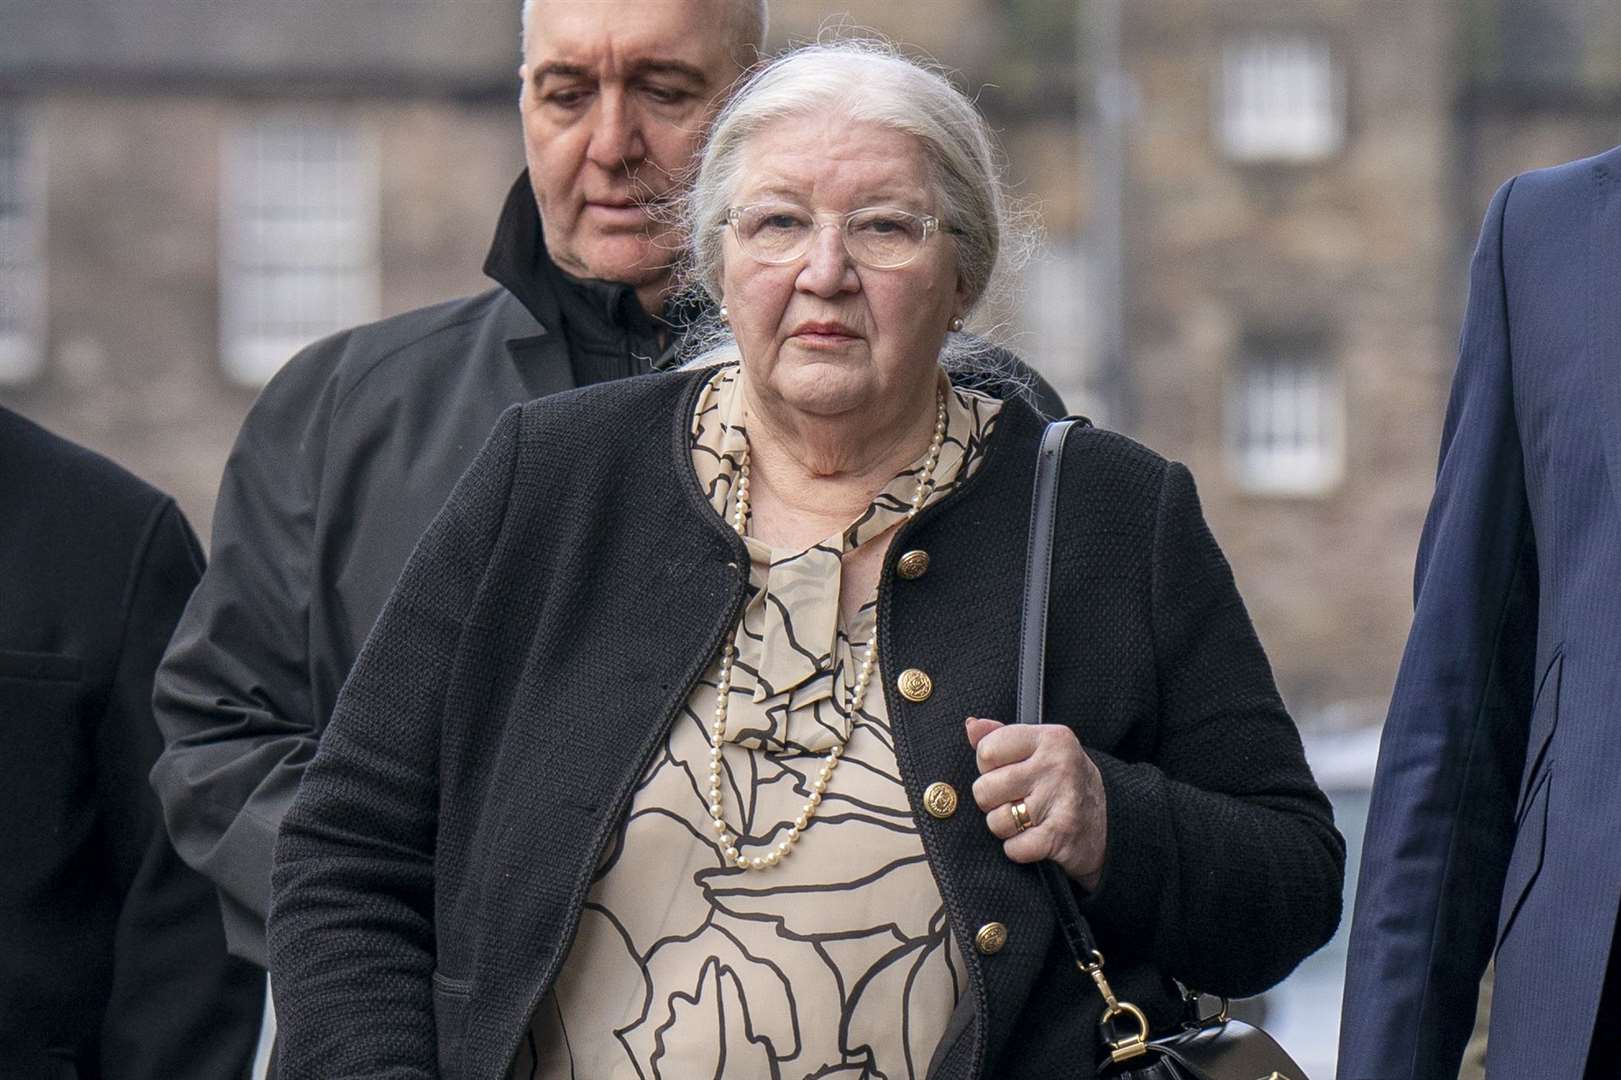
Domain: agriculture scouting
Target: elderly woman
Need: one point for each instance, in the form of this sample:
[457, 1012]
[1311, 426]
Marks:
[663, 759]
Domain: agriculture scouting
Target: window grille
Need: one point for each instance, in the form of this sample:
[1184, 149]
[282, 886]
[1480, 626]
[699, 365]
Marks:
[22, 262]
[299, 240]
[1286, 422]
[1282, 99]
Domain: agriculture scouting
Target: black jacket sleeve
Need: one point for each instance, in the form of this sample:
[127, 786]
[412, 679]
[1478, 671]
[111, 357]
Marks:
[233, 697]
[180, 1008]
[1225, 828]
[354, 871]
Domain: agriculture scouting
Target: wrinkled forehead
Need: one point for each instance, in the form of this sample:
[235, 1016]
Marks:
[827, 162]
[611, 36]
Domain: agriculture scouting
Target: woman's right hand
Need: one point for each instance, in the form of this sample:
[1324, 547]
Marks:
[1042, 796]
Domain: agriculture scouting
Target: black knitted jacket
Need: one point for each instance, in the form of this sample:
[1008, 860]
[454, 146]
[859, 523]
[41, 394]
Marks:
[552, 620]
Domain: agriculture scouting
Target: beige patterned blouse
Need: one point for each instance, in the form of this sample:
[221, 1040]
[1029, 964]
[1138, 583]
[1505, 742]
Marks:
[838, 962]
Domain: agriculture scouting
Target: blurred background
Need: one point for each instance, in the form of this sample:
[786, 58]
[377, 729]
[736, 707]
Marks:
[1258, 218]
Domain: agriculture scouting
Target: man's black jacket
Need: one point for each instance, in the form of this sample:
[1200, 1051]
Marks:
[340, 465]
[112, 960]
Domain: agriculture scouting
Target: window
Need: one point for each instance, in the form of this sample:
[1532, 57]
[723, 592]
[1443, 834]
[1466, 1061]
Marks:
[1282, 99]
[1285, 419]
[299, 240]
[1059, 319]
[22, 264]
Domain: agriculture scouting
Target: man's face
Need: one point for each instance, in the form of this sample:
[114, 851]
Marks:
[616, 95]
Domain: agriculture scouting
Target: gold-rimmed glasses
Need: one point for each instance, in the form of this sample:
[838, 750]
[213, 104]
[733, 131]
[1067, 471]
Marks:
[877, 237]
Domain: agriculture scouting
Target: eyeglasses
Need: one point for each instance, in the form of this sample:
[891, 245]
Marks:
[877, 237]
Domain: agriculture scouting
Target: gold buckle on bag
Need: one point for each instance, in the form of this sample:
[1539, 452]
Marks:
[1132, 1045]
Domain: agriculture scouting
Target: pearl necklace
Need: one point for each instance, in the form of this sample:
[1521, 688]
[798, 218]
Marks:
[858, 693]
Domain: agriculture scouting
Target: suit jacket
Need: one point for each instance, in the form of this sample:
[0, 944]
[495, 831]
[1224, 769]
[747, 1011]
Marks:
[430, 875]
[1495, 807]
[338, 468]
[112, 958]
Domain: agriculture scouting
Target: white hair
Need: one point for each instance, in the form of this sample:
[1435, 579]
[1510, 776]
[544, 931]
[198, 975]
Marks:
[869, 81]
[749, 21]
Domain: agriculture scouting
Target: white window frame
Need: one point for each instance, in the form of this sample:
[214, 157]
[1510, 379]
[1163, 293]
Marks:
[1280, 98]
[1286, 420]
[22, 252]
[299, 237]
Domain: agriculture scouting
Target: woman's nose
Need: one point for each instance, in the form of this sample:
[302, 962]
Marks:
[828, 267]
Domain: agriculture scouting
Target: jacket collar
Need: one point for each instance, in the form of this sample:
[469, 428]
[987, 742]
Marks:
[517, 259]
[602, 320]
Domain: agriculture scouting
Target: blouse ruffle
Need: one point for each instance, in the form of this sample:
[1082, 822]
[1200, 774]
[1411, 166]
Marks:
[789, 656]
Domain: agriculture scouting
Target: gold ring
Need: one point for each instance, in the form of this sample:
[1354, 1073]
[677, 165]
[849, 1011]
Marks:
[1021, 815]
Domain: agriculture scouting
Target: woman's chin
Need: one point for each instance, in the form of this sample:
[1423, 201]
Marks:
[825, 389]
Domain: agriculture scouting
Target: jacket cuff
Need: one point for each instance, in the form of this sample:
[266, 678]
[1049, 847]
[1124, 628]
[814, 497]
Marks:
[244, 883]
[1137, 861]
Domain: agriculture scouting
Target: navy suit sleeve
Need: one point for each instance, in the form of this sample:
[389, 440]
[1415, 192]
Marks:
[179, 1007]
[1440, 828]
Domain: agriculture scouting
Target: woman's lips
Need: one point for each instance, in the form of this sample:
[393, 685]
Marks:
[824, 341]
[824, 335]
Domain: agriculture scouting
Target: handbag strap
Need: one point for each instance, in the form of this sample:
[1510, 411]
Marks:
[1031, 683]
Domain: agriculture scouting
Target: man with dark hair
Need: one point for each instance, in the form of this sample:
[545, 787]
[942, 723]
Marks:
[112, 959]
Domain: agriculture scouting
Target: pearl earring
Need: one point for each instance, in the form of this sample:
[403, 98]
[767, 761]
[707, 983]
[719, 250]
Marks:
[956, 324]
[725, 319]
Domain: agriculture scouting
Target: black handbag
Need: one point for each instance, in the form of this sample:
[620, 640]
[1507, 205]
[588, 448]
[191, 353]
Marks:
[1214, 1047]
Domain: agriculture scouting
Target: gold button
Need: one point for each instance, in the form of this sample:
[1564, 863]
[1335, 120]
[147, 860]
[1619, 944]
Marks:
[913, 565]
[990, 939]
[940, 799]
[915, 685]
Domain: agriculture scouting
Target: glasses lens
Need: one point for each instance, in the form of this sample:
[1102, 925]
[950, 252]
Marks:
[884, 237]
[774, 232]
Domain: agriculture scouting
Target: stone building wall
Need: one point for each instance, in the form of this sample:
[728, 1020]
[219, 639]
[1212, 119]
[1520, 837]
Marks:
[1345, 254]
[132, 239]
